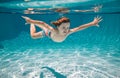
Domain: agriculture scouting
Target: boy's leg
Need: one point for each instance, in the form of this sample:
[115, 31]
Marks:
[29, 20]
[38, 23]
[33, 32]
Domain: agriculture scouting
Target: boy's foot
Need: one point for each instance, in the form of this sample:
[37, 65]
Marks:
[27, 19]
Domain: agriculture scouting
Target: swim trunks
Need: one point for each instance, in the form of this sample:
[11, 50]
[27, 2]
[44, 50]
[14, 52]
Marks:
[44, 34]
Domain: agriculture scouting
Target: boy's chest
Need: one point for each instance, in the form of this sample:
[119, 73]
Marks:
[57, 37]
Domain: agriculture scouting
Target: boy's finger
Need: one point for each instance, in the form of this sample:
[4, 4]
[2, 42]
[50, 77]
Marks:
[100, 20]
[97, 16]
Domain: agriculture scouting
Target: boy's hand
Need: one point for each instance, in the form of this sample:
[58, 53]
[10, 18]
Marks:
[96, 21]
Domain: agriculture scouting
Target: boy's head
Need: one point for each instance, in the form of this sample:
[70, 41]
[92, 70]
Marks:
[62, 25]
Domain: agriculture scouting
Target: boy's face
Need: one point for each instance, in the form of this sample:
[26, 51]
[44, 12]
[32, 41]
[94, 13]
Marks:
[64, 28]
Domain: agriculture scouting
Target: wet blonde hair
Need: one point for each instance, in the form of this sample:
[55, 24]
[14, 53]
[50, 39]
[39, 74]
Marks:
[60, 21]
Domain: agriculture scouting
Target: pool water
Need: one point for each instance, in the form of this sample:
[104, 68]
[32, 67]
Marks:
[90, 53]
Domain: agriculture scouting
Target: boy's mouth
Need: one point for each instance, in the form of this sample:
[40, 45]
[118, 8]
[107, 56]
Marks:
[64, 31]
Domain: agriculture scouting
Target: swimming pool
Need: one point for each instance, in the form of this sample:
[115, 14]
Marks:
[90, 53]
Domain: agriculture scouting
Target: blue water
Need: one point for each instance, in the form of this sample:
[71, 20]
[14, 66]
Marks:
[90, 53]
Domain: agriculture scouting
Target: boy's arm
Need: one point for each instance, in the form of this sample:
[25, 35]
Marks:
[81, 27]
